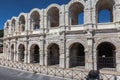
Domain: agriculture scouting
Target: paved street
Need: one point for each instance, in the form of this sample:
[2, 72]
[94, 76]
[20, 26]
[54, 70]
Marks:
[10, 74]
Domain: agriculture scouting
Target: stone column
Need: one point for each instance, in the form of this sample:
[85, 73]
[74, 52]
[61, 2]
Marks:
[29, 24]
[45, 26]
[32, 26]
[62, 57]
[95, 59]
[9, 57]
[116, 13]
[15, 50]
[41, 57]
[62, 16]
[67, 58]
[46, 57]
[25, 57]
[14, 55]
[17, 54]
[48, 22]
[5, 53]
[117, 61]
[89, 61]
[26, 52]
[29, 56]
[87, 14]
[66, 17]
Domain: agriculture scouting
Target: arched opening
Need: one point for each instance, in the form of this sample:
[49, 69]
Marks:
[12, 52]
[21, 52]
[53, 17]
[13, 25]
[35, 20]
[76, 13]
[106, 55]
[105, 13]
[22, 23]
[34, 54]
[77, 55]
[53, 54]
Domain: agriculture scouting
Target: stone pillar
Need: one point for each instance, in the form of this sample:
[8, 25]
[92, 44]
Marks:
[116, 13]
[48, 22]
[17, 27]
[62, 16]
[62, 57]
[15, 50]
[17, 54]
[95, 59]
[117, 61]
[67, 58]
[45, 26]
[26, 52]
[29, 56]
[25, 57]
[32, 26]
[9, 51]
[46, 57]
[87, 14]
[88, 57]
[5, 51]
[41, 57]
[27, 20]
[9, 57]
[42, 20]
[66, 17]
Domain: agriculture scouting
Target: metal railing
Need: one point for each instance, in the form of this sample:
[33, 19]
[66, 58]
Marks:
[77, 61]
[106, 62]
[53, 61]
[70, 73]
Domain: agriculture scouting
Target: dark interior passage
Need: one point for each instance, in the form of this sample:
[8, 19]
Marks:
[106, 55]
[35, 54]
[53, 54]
[77, 55]
[21, 52]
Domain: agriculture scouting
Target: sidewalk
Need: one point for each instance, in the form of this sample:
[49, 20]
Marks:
[11, 74]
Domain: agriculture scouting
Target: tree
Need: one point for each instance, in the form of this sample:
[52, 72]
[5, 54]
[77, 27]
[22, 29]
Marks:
[1, 33]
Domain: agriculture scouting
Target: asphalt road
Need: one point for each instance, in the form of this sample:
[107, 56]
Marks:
[11, 74]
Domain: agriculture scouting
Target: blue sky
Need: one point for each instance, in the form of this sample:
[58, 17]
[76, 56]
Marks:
[9, 8]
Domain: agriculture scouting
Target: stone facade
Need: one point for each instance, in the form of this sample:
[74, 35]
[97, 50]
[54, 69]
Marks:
[52, 36]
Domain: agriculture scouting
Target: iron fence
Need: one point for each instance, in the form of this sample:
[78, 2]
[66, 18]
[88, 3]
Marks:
[70, 73]
[106, 62]
[77, 61]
